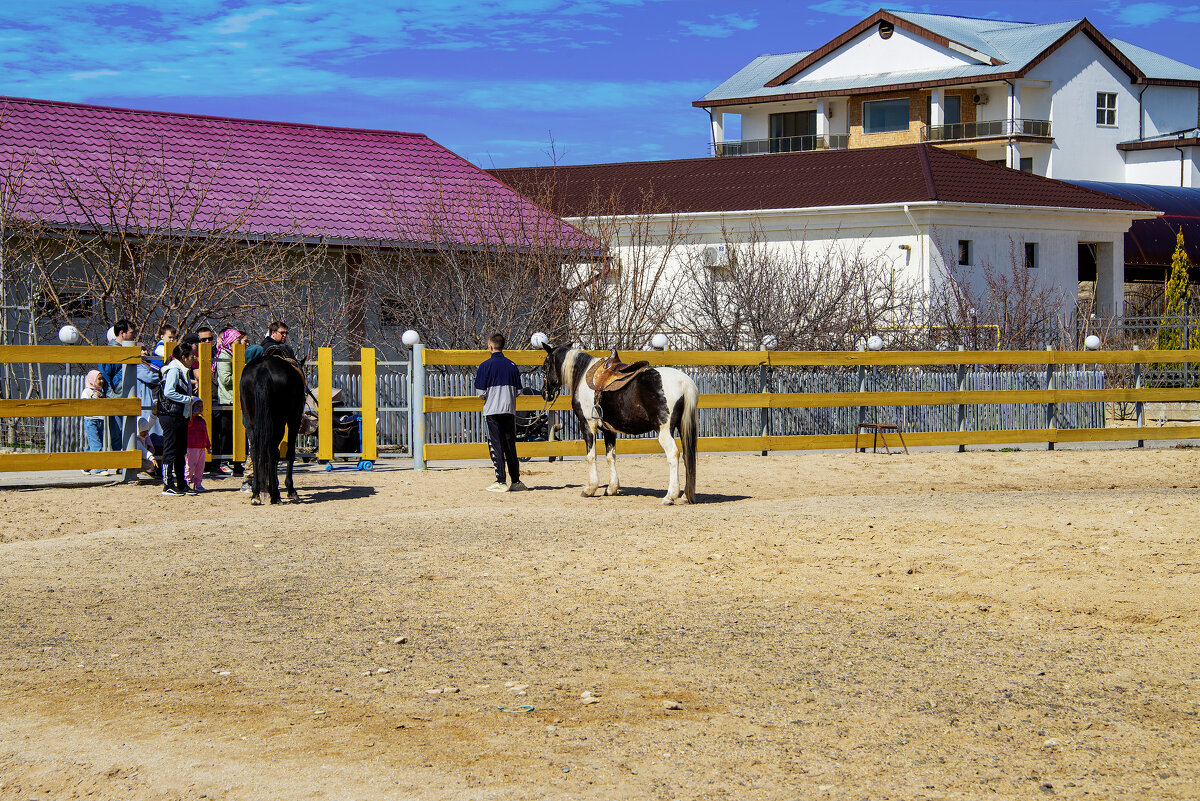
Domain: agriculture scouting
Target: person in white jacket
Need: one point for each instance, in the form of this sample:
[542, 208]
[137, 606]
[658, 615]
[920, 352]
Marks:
[175, 407]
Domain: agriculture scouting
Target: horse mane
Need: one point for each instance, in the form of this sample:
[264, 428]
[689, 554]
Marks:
[574, 364]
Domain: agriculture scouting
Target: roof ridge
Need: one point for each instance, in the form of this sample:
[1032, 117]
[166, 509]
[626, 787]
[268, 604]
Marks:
[927, 170]
[212, 117]
[701, 159]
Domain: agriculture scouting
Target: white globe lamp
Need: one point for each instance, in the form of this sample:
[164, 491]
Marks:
[410, 338]
[660, 341]
[875, 342]
[68, 335]
[1092, 342]
[538, 340]
[770, 341]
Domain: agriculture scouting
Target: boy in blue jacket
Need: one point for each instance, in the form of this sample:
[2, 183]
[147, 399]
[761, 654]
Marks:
[498, 382]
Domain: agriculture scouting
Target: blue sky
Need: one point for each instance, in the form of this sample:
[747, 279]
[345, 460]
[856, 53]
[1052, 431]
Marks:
[502, 82]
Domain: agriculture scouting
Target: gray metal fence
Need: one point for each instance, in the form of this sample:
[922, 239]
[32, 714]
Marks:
[457, 427]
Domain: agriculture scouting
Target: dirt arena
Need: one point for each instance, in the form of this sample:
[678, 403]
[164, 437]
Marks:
[845, 626]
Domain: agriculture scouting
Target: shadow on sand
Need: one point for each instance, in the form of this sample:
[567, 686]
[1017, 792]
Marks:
[656, 492]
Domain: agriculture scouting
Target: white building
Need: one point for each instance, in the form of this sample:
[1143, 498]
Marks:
[1058, 99]
[919, 207]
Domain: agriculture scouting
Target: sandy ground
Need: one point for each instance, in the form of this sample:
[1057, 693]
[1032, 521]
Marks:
[940, 625]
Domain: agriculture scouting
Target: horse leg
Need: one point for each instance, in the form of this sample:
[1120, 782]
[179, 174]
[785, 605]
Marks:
[273, 460]
[589, 439]
[610, 453]
[293, 432]
[667, 440]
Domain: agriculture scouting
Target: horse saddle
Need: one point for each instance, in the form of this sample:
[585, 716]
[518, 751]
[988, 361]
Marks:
[611, 374]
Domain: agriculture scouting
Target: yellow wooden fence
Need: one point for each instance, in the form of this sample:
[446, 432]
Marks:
[70, 407]
[1050, 359]
[131, 407]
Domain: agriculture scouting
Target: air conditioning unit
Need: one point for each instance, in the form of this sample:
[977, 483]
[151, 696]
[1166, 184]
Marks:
[980, 99]
[716, 256]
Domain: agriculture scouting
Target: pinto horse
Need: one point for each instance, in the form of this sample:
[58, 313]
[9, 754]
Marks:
[273, 395]
[660, 399]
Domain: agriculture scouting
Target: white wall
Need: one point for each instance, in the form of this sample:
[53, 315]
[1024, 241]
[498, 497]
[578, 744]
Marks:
[1161, 167]
[1167, 109]
[869, 54]
[998, 235]
[1083, 150]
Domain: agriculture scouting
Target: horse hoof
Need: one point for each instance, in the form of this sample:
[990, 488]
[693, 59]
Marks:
[293, 498]
[610, 491]
[255, 502]
[682, 499]
[668, 501]
[588, 493]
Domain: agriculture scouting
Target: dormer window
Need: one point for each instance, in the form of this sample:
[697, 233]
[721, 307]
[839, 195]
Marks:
[886, 29]
[1106, 109]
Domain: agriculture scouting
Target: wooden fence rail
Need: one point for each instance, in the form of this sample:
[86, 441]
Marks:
[72, 407]
[1050, 434]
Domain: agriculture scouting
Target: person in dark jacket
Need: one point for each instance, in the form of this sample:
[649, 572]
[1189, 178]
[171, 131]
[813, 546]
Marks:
[123, 335]
[276, 337]
[173, 414]
[498, 382]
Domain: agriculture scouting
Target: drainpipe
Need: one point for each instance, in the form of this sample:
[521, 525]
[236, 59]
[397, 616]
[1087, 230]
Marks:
[924, 288]
[1012, 124]
[1142, 114]
[1180, 149]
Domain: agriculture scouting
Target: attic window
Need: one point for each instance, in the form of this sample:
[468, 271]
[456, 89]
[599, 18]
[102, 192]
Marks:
[886, 29]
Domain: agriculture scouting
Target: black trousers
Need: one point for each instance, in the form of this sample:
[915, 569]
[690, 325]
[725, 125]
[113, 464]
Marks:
[502, 445]
[174, 429]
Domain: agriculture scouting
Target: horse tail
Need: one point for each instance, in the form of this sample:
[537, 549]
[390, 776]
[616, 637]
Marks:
[261, 447]
[687, 433]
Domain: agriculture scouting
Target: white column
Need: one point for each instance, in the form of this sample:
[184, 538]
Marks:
[718, 126]
[937, 106]
[1014, 114]
[822, 117]
[1110, 277]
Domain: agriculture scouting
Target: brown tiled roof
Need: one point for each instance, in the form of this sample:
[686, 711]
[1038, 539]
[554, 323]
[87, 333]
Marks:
[865, 176]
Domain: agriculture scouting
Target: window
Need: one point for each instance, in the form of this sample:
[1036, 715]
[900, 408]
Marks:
[951, 109]
[793, 130]
[1106, 108]
[964, 251]
[881, 116]
[1027, 164]
[1031, 255]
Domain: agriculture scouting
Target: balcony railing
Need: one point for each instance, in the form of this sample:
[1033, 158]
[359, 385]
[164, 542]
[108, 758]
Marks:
[782, 144]
[988, 129]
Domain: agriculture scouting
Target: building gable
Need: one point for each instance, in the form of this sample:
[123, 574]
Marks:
[870, 53]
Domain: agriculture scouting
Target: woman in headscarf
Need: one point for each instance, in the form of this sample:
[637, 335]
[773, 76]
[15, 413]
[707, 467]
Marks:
[93, 425]
[222, 367]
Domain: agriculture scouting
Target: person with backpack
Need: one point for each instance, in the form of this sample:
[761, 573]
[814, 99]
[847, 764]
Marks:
[175, 403]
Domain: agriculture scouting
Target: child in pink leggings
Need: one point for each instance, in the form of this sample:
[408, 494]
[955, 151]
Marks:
[197, 444]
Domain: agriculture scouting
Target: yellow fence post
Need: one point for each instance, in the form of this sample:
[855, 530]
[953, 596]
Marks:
[369, 413]
[325, 403]
[204, 391]
[239, 429]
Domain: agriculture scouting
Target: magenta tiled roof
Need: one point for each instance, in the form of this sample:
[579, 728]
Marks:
[265, 178]
[898, 174]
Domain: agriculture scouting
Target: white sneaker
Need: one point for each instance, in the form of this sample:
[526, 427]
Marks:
[496, 486]
[517, 486]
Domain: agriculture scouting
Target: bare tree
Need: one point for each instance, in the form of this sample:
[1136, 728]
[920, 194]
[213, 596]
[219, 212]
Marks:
[132, 236]
[1007, 299]
[802, 296]
[635, 292]
[468, 264]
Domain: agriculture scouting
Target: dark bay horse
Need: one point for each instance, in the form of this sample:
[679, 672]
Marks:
[660, 399]
[273, 392]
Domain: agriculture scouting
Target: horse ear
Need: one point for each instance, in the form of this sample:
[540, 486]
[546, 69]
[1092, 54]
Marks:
[549, 348]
